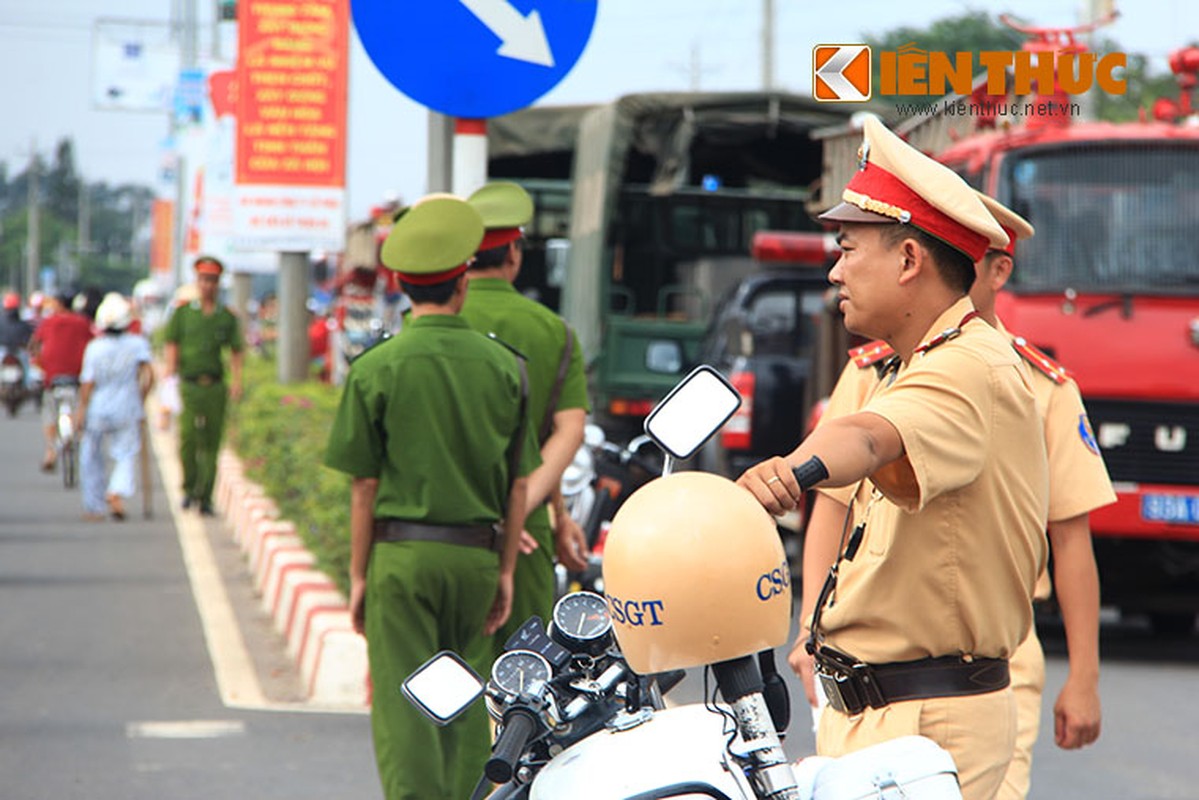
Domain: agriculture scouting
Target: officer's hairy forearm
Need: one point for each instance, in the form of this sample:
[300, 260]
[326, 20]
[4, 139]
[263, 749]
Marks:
[514, 523]
[851, 447]
[362, 523]
[556, 454]
[1076, 583]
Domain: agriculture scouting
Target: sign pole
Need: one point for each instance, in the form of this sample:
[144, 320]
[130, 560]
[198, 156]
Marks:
[469, 171]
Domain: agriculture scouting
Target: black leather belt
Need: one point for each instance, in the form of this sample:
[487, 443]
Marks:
[203, 380]
[399, 530]
[851, 685]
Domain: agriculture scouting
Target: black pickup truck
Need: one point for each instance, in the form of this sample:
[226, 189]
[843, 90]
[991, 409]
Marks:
[765, 337]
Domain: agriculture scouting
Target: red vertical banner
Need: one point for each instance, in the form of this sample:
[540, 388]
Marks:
[292, 74]
[162, 236]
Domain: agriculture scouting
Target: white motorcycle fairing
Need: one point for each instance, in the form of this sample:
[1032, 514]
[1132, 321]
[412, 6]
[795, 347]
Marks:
[677, 746]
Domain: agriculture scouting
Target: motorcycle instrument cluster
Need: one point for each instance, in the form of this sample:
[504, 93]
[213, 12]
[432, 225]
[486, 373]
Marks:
[521, 673]
[581, 623]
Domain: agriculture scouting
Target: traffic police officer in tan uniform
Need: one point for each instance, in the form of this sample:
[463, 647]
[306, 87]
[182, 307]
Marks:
[557, 393]
[1078, 484]
[930, 595]
[432, 429]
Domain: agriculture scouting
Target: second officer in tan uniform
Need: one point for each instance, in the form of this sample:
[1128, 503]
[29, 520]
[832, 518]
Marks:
[931, 598]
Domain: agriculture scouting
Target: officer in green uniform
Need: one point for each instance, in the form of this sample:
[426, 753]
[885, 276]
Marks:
[195, 337]
[431, 427]
[558, 403]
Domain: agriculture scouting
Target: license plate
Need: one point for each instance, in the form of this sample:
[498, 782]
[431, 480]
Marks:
[1177, 508]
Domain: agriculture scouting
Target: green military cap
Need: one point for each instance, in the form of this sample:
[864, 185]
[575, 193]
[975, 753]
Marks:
[434, 240]
[505, 207]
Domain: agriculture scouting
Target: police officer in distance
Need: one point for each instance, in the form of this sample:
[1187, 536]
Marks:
[558, 402]
[932, 593]
[432, 429]
[196, 335]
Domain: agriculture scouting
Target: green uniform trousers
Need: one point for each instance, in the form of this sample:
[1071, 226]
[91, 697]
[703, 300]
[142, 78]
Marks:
[423, 597]
[200, 428]
[533, 584]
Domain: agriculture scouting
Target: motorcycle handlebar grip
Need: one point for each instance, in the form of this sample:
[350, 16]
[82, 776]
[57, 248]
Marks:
[810, 473]
[519, 726]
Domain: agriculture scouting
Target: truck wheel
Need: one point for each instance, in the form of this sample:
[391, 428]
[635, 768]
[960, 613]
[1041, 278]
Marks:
[1172, 623]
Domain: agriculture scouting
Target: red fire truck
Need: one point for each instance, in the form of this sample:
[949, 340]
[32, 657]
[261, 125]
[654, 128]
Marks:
[1109, 287]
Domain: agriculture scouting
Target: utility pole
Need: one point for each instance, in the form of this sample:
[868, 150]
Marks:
[767, 45]
[183, 24]
[33, 255]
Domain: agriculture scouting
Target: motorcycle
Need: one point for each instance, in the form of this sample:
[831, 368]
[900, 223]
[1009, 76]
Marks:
[600, 477]
[12, 382]
[576, 719]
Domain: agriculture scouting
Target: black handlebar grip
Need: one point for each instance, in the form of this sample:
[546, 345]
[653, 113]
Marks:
[519, 726]
[810, 473]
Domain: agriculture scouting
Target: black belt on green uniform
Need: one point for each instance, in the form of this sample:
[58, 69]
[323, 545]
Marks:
[205, 379]
[851, 685]
[488, 537]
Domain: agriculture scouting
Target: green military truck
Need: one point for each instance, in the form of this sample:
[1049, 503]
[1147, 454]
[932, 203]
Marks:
[646, 209]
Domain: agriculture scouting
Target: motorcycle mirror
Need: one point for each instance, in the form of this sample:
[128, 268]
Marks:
[443, 687]
[694, 410]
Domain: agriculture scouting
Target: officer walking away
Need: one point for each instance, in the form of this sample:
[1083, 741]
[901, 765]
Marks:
[432, 429]
[558, 402]
[196, 335]
[934, 573]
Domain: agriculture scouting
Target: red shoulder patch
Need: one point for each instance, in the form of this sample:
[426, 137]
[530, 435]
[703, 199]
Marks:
[870, 353]
[1046, 365]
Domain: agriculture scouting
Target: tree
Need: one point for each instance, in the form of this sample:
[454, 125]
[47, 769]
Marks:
[60, 184]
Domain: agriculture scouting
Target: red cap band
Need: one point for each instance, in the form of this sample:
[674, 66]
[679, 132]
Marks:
[1011, 241]
[879, 184]
[498, 237]
[428, 279]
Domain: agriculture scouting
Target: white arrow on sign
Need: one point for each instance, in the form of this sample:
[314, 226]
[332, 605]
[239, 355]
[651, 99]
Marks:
[523, 38]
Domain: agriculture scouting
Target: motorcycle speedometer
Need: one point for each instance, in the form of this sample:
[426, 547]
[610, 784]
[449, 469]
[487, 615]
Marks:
[581, 623]
[520, 673]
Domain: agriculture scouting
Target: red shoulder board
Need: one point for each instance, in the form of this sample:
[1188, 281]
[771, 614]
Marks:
[1033, 355]
[871, 353]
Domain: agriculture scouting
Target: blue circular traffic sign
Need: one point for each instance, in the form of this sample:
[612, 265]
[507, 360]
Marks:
[474, 58]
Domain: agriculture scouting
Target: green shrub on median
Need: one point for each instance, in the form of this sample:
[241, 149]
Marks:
[279, 431]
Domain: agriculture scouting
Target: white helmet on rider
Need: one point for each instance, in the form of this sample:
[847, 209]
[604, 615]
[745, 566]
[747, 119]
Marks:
[695, 574]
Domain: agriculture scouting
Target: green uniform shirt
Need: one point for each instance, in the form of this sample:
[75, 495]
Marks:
[494, 306]
[200, 338]
[432, 413]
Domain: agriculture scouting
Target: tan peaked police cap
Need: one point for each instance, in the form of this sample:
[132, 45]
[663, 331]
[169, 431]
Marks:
[1015, 226]
[433, 241]
[895, 182]
[505, 207]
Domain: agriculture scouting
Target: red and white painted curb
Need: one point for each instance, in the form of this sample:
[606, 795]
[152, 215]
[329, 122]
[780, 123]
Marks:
[307, 608]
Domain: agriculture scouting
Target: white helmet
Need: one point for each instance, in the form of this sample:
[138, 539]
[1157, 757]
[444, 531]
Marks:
[695, 573]
[114, 313]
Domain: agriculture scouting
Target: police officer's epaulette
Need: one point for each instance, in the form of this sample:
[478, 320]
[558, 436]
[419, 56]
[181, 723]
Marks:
[1033, 355]
[491, 335]
[877, 354]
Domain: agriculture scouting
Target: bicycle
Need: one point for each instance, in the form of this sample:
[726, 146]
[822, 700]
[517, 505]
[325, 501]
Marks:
[64, 392]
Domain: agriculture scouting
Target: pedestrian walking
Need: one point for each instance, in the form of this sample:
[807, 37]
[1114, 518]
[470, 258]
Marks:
[932, 578]
[558, 402]
[432, 429]
[114, 381]
[197, 334]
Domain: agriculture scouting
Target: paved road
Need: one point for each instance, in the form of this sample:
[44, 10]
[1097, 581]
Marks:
[107, 689]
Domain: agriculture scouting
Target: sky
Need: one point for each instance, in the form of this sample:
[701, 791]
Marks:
[636, 45]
